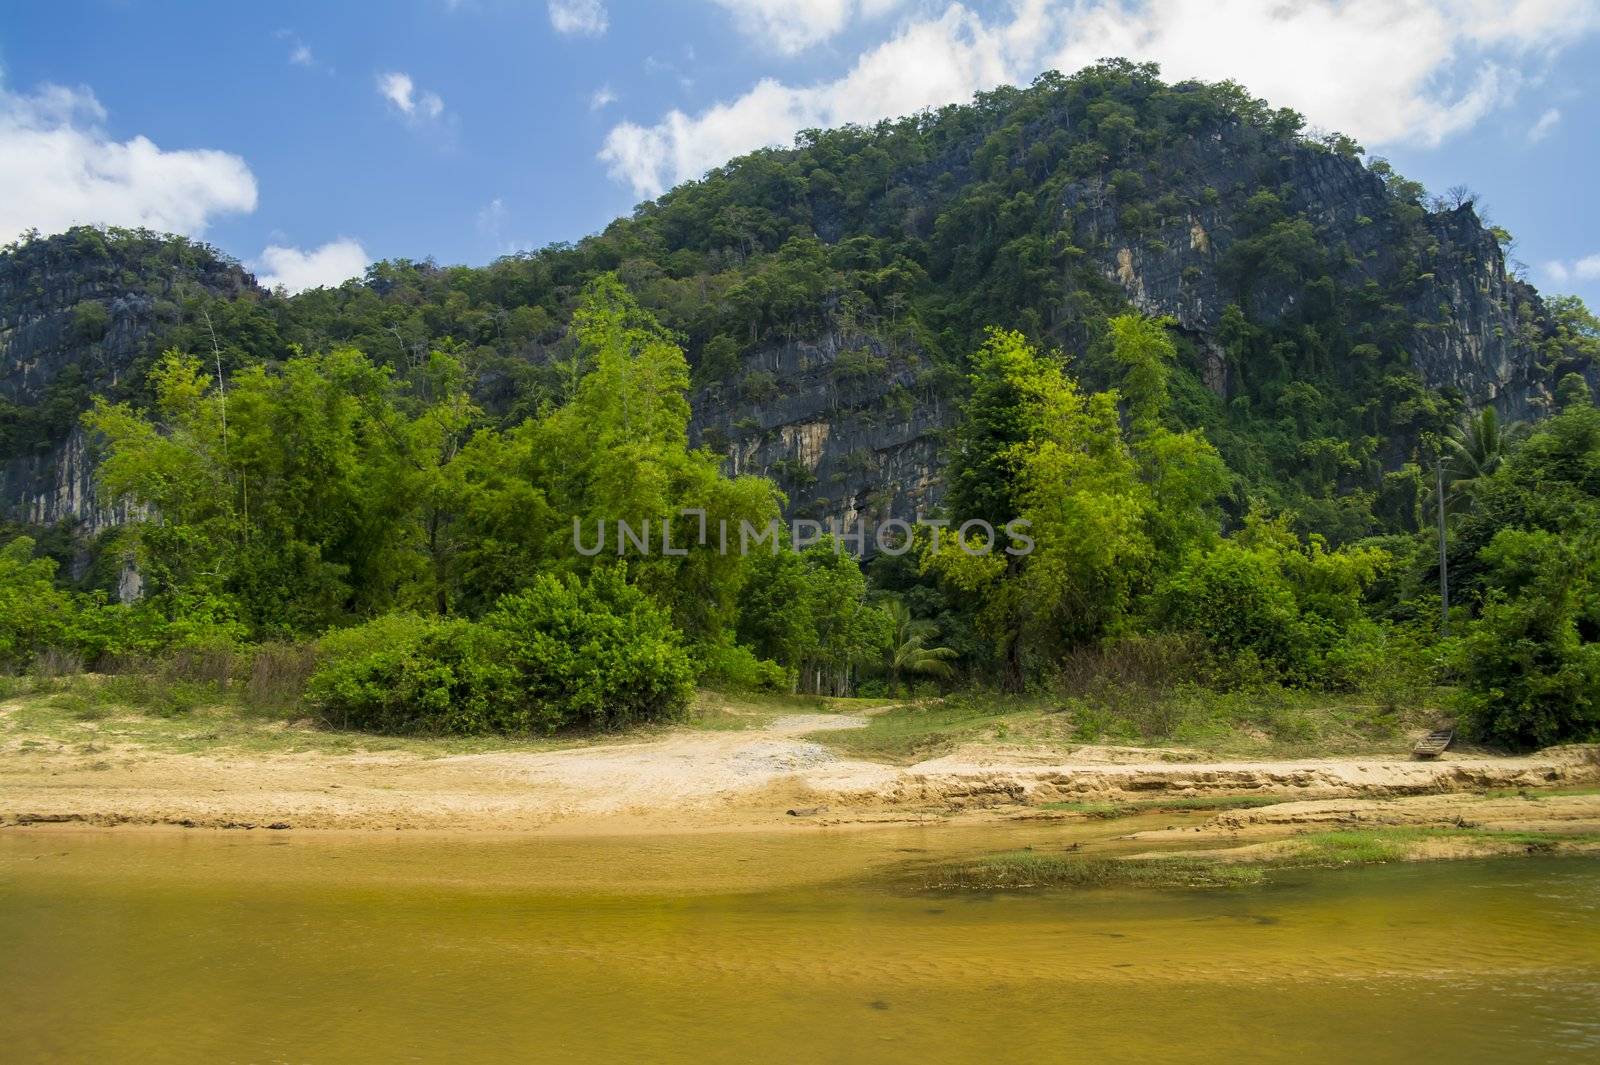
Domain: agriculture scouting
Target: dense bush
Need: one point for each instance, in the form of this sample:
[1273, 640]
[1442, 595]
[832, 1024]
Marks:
[34, 614]
[1530, 677]
[1264, 597]
[562, 653]
[733, 667]
[402, 673]
[597, 653]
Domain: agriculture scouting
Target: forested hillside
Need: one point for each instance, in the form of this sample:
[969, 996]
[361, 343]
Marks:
[1160, 319]
[827, 296]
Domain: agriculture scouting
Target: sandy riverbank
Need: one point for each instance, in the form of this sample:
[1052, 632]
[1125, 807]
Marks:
[699, 780]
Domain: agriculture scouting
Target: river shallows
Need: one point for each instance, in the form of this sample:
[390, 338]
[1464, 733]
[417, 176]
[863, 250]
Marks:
[257, 947]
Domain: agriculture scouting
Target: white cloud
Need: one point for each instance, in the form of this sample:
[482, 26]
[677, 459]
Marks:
[788, 25]
[791, 26]
[300, 54]
[296, 270]
[492, 218]
[585, 18]
[59, 168]
[603, 97]
[402, 94]
[1544, 126]
[1383, 71]
[1585, 269]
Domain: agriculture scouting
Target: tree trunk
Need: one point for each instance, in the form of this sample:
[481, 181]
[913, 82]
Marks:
[1011, 676]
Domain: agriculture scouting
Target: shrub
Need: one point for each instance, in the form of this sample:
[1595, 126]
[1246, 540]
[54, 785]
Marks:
[1530, 678]
[56, 662]
[402, 673]
[1239, 601]
[1264, 599]
[598, 653]
[734, 667]
[562, 653]
[34, 614]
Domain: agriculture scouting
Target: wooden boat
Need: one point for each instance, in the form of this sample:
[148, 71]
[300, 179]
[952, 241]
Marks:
[1434, 743]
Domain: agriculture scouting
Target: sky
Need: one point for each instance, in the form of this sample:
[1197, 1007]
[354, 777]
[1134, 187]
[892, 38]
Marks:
[308, 139]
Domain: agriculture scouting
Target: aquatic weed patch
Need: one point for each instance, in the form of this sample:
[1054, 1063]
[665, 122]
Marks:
[1026, 870]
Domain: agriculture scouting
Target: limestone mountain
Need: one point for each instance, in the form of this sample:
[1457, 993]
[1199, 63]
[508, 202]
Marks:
[1330, 314]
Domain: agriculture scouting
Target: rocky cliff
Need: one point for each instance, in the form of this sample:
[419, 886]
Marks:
[1430, 286]
[80, 314]
[827, 295]
[1466, 316]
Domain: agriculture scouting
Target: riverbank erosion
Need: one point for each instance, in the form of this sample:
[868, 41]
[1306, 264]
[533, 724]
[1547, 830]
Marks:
[780, 774]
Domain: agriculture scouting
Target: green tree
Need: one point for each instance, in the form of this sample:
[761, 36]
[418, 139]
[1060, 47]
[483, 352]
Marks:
[808, 612]
[1529, 664]
[34, 614]
[1102, 507]
[909, 653]
[1473, 451]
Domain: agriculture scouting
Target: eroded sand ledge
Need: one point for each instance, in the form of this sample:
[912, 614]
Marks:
[709, 780]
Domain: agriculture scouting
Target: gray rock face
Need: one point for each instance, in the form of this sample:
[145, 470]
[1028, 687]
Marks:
[846, 448]
[76, 316]
[1468, 312]
[852, 426]
[850, 430]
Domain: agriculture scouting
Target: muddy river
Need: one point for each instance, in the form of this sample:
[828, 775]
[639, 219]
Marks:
[805, 946]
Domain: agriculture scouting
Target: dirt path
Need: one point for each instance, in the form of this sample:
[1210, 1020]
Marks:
[683, 781]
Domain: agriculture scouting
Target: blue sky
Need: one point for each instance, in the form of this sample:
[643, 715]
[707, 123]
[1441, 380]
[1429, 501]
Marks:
[309, 138]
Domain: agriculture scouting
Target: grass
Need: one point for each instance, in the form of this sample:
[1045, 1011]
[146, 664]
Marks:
[735, 711]
[1265, 723]
[922, 730]
[88, 716]
[1025, 870]
[1369, 845]
[181, 716]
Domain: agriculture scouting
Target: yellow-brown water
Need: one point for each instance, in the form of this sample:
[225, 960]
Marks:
[153, 947]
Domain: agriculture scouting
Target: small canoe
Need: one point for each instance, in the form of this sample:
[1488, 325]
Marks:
[1434, 743]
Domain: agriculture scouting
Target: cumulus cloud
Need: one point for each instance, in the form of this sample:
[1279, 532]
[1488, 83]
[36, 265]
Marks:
[402, 94]
[296, 270]
[603, 97]
[791, 26]
[59, 168]
[300, 55]
[1383, 71]
[492, 218]
[583, 18]
[1585, 269]
[1546, 123]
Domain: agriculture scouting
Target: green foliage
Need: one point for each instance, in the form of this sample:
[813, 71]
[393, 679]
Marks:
[34, 613]
[909, 653]
[807, 611]
[407, 674]
[734, 667]
[1265, 595]
[325, 488]
[1530, 665]
[595, 653]
[90, 320]
[422, 441]
[1105, 508]
[560, 654]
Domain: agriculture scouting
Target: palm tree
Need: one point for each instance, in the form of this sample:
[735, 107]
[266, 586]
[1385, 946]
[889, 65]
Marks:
[908, 652]
[1473, 451]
